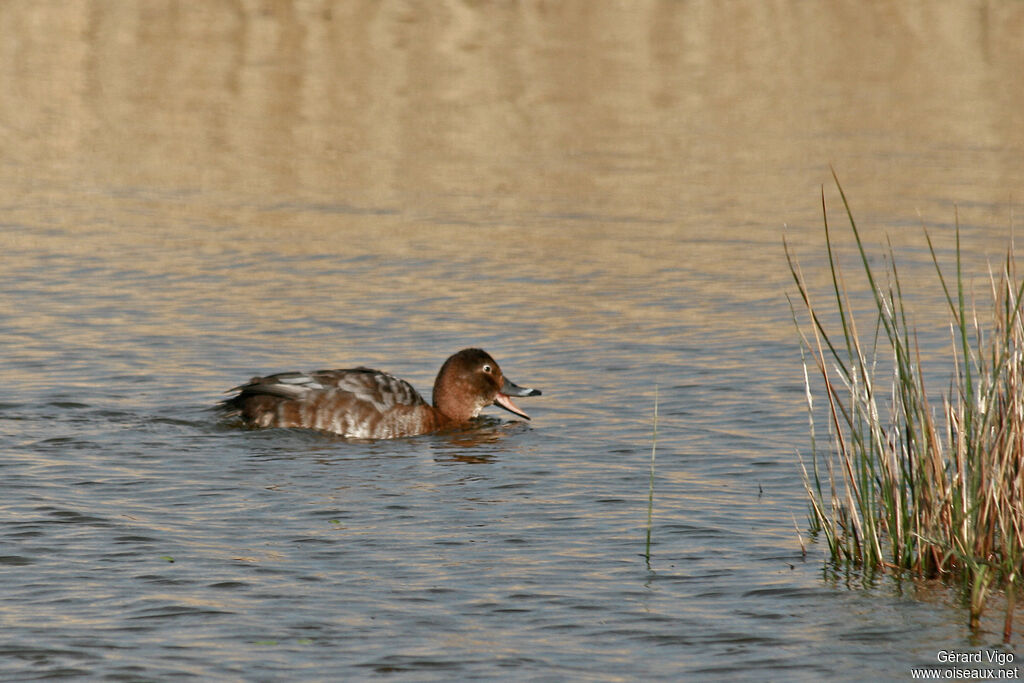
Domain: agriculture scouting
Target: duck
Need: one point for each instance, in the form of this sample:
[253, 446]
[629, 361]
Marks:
[363, 403]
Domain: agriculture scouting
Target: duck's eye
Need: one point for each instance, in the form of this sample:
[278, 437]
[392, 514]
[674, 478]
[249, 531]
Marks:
[486, 368]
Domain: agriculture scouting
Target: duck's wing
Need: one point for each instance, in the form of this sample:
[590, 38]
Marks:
[286, 385]
[363, 384]
[382, 390]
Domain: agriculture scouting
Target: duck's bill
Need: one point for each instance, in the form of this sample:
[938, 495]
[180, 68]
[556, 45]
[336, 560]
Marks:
[508, 390]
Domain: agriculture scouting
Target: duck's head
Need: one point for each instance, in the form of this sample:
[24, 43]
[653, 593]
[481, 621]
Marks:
[471, 380]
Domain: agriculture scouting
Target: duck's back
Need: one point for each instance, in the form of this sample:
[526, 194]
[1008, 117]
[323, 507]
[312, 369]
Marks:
[358, 402]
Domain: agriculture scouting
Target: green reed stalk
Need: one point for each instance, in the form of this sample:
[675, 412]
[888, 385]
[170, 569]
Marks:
[650, 489]
[906, 491]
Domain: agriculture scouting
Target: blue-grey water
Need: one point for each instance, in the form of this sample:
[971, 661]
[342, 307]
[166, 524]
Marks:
[597, 194]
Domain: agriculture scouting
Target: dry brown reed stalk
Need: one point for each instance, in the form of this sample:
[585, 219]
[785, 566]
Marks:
[925, 491]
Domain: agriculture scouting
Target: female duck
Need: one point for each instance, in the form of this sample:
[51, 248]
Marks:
[369, 404]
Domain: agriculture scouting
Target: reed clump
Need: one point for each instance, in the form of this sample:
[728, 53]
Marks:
[922, 487]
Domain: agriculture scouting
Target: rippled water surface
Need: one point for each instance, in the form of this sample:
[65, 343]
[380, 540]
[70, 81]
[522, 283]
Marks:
[596, 193]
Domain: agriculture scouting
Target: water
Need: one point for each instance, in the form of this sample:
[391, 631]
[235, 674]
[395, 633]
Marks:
[192, 195]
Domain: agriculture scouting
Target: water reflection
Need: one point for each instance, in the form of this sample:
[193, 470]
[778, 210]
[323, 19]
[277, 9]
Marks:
[493, 114]
[482, 442]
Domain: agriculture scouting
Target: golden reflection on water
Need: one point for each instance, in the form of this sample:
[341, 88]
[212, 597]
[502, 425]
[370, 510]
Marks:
[627, 111]
[614, 149]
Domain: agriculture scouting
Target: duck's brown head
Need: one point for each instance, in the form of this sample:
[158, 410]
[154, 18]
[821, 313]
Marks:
[470, 381]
